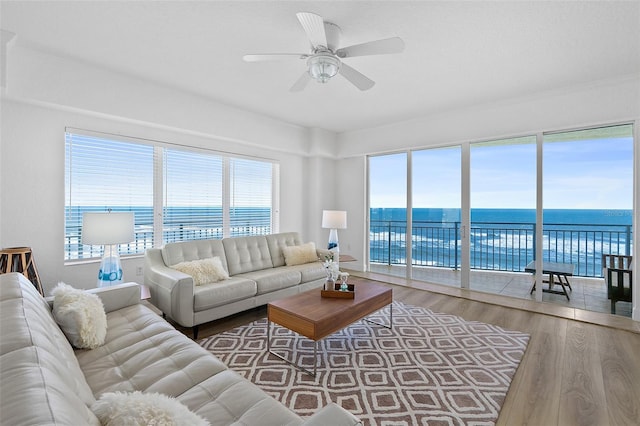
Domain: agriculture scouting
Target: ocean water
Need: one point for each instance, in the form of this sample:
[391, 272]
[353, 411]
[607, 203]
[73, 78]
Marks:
[501, 239]
[550, 216]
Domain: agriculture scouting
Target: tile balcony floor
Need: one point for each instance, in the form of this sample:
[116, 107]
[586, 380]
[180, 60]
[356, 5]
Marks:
[588, 294]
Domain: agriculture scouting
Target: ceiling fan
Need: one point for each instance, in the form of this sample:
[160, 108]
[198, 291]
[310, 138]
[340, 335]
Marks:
[325, 59]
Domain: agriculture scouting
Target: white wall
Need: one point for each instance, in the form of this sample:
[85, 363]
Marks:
[574, 107]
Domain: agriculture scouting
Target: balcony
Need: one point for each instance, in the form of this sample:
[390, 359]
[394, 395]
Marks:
[499, 253]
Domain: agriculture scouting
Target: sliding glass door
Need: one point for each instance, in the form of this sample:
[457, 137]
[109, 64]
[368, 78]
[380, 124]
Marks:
[482, 213]
[588, 211]
[435, 215]
[388, 214]
[503, 214]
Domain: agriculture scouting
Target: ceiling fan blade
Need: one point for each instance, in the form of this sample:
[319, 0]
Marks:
[358, 79]
[274, 57]
[299, 85]
[379, 47]
[314, 27]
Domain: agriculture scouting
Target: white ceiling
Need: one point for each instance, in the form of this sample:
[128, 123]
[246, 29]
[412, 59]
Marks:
[457, 53]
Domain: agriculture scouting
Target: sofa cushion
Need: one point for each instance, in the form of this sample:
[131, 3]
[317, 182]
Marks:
[203, 271]
[143, 352]
[277, 241]
[268, 280]
[227, 399]
[228, 291]
[184, 251]
[138, 408]
[309, 271]
[246, 254]
[43, 381]
[80, 315]
[299, 255]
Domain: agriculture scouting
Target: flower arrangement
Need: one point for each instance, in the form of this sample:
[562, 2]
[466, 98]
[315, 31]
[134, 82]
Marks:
[331, 268]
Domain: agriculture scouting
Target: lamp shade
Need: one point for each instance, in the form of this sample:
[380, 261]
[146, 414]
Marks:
[334, 219]
[107, 228]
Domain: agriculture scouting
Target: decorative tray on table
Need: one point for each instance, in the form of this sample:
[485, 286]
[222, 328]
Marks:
[340, 294]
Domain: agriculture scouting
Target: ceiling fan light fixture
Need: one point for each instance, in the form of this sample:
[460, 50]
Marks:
[323, 66]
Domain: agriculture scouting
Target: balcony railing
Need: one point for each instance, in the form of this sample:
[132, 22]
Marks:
[498, 246]
[74, 249]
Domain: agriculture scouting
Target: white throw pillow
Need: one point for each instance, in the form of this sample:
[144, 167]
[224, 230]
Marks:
[137, 408]
[80, 315]
[298, 255]
[204, 271]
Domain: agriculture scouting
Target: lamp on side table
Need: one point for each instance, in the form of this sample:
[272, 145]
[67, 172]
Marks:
[334, 220]
[108, 229]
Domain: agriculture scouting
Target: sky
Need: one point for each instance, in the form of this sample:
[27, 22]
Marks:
[577, 174]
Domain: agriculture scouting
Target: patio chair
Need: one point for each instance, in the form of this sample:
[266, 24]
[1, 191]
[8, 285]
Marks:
[618, 276]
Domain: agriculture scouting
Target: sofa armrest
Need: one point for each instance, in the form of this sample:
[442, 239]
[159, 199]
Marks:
[118, 296]
[113, 298]
[171, 290]
[332, 414]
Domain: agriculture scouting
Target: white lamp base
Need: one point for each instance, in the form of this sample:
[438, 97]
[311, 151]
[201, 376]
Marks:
[333, 246]
[110, 267]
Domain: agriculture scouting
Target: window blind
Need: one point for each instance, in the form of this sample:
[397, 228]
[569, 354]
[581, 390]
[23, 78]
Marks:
[250, 200]
[193, 187]
[101, 175]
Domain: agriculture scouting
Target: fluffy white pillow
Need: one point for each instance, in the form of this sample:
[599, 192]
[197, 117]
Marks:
[137, 408]
[80, 315]
[298, 255]
[204, 271]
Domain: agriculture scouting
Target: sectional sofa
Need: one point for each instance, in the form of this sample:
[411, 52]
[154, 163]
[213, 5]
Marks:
[258, 271]
[45, 381]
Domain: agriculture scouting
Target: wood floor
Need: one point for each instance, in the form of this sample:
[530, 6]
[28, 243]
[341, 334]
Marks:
[572, 373]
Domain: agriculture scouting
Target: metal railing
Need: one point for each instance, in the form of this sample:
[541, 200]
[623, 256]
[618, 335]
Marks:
[74, 249]
[498, 246]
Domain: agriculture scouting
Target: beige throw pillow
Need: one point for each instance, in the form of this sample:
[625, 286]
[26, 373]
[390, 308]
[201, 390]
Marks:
[204, 271]
[298, 255]
[80, 315]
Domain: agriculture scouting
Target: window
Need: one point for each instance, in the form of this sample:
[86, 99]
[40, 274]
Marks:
[250, 197]
[192, 196]
[198, 193]
[102, 174]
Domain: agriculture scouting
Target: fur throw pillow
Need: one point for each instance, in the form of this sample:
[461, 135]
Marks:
[204, 271]
[137, 408]
[80, 315]
[298, 255]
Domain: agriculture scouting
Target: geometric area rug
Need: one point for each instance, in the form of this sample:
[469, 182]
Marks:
[429, 369]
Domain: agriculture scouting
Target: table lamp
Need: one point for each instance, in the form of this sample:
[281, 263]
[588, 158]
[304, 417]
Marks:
[108, 229]
[334, 220]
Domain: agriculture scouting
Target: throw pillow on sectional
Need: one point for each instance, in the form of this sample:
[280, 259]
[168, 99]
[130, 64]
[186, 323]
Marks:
[138, 408]
[80, 315]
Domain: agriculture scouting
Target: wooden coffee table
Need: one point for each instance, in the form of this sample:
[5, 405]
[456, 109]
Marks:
[317, 317]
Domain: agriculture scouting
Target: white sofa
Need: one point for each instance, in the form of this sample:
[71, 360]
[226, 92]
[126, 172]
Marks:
[44, 381]
[257, 270]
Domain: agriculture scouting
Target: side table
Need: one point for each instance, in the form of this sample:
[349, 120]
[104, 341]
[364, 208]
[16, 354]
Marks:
[20, 259]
